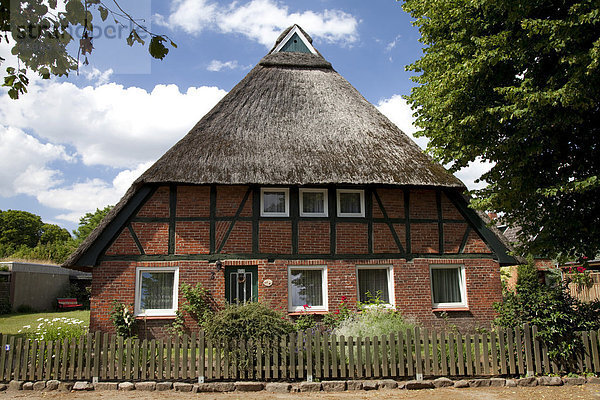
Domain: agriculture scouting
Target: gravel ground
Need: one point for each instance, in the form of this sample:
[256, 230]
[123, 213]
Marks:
[518, 393]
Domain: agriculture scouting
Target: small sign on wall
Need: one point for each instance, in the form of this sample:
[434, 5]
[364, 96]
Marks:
[268, 282]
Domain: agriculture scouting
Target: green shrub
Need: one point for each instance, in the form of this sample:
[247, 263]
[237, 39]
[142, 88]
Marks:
[247, 321]
[373, 321]
[122, 318]
[557, 314]
[5, 307]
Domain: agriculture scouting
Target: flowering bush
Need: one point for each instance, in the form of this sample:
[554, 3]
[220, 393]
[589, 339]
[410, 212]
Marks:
[580, 277]
[373, 321]
[305, 321]
[333, 319]
[122, 318]
[55, 329]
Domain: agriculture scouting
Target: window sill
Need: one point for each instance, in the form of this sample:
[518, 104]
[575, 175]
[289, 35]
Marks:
[150, 317]
[450, 309]
[296, 313]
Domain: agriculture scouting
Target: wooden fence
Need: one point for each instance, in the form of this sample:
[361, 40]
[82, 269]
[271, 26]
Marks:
[412, 354]
[587, 294]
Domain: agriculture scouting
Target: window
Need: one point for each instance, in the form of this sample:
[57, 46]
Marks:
[375, 282]
[274, 202]
[313, 203]
[448, 286]
[350, 203]
[307, 286]
[156, 291]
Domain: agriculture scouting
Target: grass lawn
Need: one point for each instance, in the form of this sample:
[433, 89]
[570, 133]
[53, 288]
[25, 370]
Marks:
[11, 323]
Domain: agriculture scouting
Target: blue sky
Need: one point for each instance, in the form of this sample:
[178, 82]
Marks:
[74, 144]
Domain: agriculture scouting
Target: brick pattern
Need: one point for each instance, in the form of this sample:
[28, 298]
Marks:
[123, 245]
[423, 204]
[240, 239]
[448, 209]
[275, 237]
[193, 201]
[153, 236]
[313, 237]
[157, 206]
[393, 202]
[351, 238]
[424, 238]
[453, 236]
[192, 237]
[229, 199]
[412, 288]
[383, 240]
[475, 244]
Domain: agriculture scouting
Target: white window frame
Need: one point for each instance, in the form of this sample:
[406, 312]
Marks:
[138, 292]
[390, 281]
[264, 213]
[287, 37]
[463, 286]
[362, 203]
[323, 269]
[325, 213]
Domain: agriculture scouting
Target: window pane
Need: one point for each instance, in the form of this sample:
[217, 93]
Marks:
[157, 290]
[307, 287]
[375, 282]
[350, 203]
[313, 202]
[274, 202]
[446, 285]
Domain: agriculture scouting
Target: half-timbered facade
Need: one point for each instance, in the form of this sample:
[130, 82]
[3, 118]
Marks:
[295, 191]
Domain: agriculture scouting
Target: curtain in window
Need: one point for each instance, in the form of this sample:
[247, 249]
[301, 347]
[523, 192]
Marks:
[350, 203]
[307, 287]
[313, 202]
[375, 282]
[157, 290]
[446, 285]
[274, 202]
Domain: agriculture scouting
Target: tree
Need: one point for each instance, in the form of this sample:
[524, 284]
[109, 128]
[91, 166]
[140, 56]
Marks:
[20, 228]
[54, 234]
[517, 83]
[40, 31]
[89, 222]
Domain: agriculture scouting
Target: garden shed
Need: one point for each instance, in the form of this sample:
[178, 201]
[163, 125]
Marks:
[295, 191]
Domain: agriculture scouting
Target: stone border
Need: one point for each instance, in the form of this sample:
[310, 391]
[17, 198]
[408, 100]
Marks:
[286, 387]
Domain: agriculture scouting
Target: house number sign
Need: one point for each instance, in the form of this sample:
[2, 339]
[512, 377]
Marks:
[268, 282]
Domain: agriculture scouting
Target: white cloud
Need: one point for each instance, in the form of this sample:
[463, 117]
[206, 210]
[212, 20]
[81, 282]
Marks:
[109, 125]
[23, 162]
[216, 65]
[82, 197]
[259, 20]
[390, 46]
[99, 77]
[400, 113]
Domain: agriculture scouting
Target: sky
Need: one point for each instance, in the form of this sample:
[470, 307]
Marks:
[74, 144]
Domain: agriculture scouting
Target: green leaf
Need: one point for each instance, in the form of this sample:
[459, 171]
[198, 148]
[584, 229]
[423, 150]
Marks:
[103, 13]
[157, 49]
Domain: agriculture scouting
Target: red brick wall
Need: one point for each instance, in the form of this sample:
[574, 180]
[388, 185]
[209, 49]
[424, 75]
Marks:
[115, 279]
[412, 288]
[351, 238]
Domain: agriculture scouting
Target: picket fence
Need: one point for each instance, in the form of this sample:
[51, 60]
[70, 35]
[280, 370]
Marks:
[418, 353]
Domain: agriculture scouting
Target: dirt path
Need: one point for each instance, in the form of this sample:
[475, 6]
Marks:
[535, 393]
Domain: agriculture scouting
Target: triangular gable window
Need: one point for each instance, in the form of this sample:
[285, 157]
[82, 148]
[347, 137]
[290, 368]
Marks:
[295, 41]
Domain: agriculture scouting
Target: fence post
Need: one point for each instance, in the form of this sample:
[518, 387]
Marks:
[528, 349]
[418, 358]
[201, 355]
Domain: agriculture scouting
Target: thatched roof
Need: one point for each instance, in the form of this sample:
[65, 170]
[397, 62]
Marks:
[293, 120]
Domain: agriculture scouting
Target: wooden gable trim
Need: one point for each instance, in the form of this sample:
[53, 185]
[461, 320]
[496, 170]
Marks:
[114, 228]
[492, 241]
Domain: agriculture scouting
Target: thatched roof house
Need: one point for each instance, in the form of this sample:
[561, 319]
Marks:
[293, 125]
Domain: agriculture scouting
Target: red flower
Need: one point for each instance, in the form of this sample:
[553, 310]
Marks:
[344, 298]
[580, 269]
[306, 306]
[337, 312]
